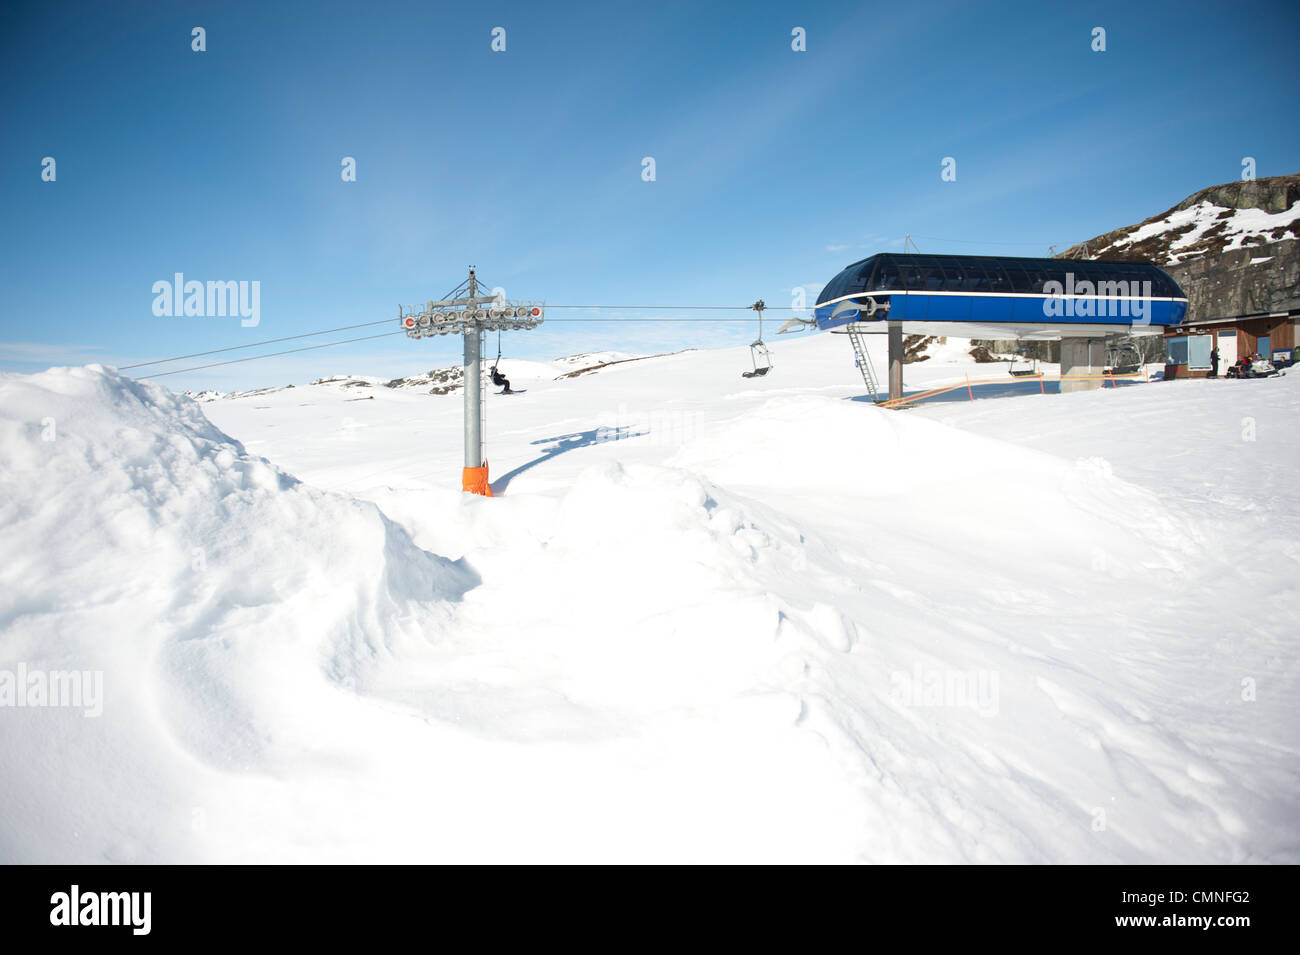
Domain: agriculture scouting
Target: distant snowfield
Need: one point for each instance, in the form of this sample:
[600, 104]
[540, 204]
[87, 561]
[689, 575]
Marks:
[705, 619]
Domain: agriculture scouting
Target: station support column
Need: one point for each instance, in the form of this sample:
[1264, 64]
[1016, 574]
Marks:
[895, 361]
[1083, 361]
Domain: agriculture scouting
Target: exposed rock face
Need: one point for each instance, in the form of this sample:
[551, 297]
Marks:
[1264, 278]
[1233, 248]
[982, 354]
[438, 381]
[1273, 194]
[344, 381]
[443, 380]
[914, 347]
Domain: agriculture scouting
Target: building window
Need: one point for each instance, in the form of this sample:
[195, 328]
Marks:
[1198, 353]
[1176, 350]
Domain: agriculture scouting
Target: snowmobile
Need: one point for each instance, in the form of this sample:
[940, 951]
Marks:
[1259, 368]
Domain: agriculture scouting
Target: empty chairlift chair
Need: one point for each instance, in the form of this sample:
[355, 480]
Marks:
[759, 354]
[1124, 357]
[1029, 368]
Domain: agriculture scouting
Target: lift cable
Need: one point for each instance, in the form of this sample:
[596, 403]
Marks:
[269, 341]
[680, 308]
[343, 328]
[290, 351]
[935, 238]
[385, 321]
[653, 318]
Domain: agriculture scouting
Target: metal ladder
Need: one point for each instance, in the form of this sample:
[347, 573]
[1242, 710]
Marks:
[863, 360]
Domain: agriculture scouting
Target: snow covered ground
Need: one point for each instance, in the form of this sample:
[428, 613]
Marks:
[705, 619]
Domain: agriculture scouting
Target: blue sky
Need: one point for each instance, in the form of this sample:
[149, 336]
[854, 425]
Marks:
[774, 168]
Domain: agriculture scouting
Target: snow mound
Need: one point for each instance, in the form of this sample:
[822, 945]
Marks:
[221, 600]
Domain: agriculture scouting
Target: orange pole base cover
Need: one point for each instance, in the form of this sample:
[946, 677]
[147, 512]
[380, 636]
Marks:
[475, 481]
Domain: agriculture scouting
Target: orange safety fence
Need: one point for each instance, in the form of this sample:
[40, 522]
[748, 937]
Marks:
[967, 383]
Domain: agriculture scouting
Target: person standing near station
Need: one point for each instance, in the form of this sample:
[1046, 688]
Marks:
[1214, 362]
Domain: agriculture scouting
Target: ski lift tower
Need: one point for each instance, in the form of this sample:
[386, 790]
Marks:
[466, 311]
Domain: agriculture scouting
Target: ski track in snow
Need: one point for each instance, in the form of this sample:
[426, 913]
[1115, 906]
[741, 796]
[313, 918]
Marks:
[706, 619]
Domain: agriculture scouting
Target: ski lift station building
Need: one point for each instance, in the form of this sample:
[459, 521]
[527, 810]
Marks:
[1080, 302]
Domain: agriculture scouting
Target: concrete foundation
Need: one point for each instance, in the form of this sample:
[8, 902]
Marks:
[895, 360]
[1083, 361]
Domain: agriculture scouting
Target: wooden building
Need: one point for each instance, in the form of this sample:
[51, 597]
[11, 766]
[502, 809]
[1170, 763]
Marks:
[1271, 335]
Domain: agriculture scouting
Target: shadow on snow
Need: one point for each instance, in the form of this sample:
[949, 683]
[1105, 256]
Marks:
[1008, 389]
[566, 442]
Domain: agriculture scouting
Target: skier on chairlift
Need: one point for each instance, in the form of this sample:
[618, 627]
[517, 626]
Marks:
[500, 380]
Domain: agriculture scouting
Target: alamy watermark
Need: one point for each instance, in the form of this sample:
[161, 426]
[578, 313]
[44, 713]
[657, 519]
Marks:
[661, 427]
[128, 909]
[1083, 298]
[75, 689]
[961, 689]
[193, 299]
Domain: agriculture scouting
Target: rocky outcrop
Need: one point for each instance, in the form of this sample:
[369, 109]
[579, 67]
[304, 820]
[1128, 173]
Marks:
[914, 347]
[1233, 248]
[439, 381]
[1263, 278]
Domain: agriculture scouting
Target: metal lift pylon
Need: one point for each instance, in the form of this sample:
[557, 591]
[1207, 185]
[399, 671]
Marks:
[461, 311]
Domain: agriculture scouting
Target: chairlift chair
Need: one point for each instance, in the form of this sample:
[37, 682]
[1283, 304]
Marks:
[498, 379]
[759, 354]
[1124, 357]
[1030, 372]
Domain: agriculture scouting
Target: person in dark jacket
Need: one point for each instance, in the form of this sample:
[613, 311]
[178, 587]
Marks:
[500, 380]
[1214, 362]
